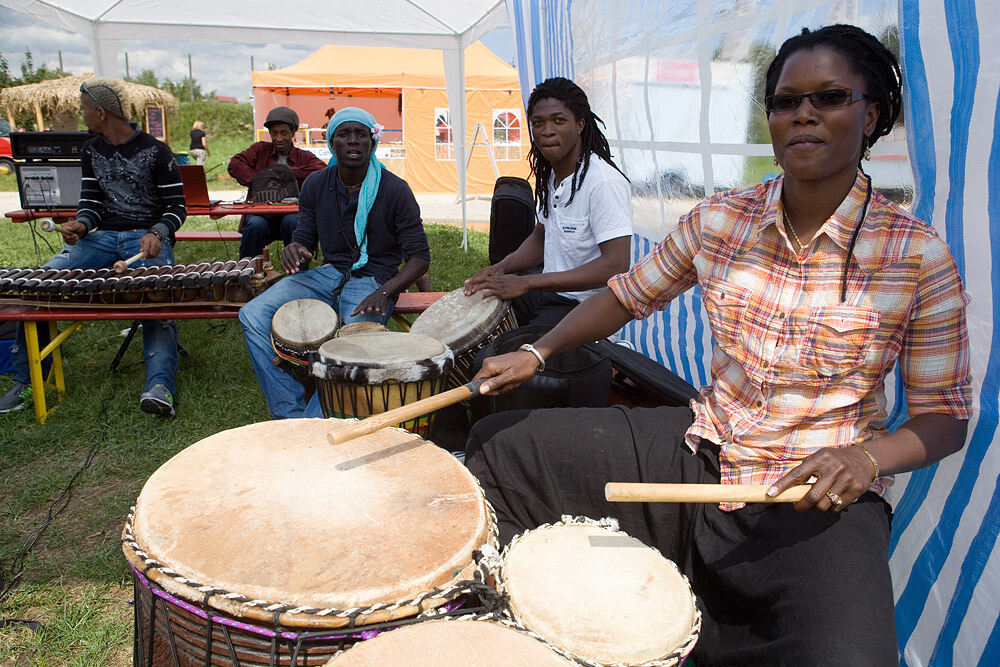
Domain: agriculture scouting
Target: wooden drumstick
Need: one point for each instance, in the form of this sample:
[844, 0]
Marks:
[50, 225]
[639, 492]
[122, 264]
[401, 414]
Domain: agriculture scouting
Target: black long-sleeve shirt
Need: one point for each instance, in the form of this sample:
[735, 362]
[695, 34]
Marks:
[394, 226]
[131, 186]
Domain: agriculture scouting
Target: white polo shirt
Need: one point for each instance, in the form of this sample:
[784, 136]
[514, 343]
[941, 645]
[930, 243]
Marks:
[601, 210]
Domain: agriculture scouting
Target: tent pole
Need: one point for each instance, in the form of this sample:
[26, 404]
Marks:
[454, 76]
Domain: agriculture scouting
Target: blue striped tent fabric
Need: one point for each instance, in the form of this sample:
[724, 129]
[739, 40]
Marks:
[674, 81]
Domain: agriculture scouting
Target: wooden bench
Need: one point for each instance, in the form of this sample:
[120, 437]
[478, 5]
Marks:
[220, 235]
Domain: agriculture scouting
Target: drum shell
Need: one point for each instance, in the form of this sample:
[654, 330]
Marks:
[291, 347]
[183, 527]
[360, 389]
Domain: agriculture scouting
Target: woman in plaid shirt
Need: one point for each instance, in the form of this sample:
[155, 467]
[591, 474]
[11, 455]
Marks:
[815, 287]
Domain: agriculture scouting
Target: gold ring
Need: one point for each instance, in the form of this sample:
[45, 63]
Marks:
[835, 499]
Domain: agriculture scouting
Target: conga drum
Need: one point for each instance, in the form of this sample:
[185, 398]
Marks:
[265, 545]
[459, 643]
[359, 328]
[599, 596]
[465, 324]
[365, 374]
[298, 328]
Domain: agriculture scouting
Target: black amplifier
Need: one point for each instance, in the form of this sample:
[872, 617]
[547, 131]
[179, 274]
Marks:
[48, 145]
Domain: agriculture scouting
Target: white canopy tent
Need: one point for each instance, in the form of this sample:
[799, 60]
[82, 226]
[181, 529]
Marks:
[429, 24]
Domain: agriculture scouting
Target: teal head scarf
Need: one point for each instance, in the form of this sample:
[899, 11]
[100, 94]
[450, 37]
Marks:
[369, 187]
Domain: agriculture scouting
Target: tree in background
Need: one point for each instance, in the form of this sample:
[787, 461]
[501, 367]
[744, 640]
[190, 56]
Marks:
[185, 89]
[29, 74]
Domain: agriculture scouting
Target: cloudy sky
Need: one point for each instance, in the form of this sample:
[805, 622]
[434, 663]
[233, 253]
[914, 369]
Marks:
[222, 67]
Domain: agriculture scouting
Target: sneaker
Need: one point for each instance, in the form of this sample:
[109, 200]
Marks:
[17, 398]
[157, 401]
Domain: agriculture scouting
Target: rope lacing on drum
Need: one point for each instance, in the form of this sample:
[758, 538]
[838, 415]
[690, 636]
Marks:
[511, 619]
[461, 587]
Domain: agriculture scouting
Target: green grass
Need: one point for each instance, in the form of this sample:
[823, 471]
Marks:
[75, 579]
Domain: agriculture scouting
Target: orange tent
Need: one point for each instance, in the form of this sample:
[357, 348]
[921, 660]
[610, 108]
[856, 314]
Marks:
[405, 90]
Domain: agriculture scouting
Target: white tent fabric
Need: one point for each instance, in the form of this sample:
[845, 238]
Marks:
[674, 81]
[431, 24]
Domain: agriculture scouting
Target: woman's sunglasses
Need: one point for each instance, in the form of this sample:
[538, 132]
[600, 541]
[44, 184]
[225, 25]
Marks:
[821, 99]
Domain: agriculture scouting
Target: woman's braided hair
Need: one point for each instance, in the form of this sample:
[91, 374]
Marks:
[868, 58]
[592, 140]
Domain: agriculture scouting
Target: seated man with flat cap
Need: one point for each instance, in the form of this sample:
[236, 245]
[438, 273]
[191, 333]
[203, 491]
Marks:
[367, 221]
[131, 199]
[272, 161]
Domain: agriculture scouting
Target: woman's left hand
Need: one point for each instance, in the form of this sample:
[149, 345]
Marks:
[842, 475]
[377, 301]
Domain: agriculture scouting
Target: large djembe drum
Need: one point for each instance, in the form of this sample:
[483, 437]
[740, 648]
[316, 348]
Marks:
[598, 596]
[465, 324]
[265, 545]
[370, 373]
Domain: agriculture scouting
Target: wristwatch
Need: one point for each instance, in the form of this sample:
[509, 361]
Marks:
[528, 347]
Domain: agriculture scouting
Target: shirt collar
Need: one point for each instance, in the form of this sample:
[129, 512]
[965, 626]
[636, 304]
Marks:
[840, 226]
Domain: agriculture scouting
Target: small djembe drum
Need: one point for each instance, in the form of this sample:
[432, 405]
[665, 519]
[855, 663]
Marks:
[365, 374]
[265, 545]
[466, 324]
[598, 596]
[460, 643]
[298, 328]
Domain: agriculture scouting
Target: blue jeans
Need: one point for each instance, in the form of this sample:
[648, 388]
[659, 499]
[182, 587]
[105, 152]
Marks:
[284, 394]
[259, 230]
[103, 248]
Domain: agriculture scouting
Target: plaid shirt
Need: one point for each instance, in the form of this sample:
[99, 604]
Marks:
[793, 368]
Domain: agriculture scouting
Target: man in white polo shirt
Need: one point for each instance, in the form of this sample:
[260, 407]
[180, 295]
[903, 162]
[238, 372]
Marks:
[584, 207]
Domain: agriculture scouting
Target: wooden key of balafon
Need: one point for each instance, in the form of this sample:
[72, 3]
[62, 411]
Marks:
[644, 492]
[122, 264]
[403, 413]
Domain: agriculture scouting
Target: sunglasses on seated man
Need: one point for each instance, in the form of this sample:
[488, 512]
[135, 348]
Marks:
[821, 99]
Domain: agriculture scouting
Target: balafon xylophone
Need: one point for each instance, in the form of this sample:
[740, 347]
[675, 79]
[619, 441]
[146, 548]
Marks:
[213, 283]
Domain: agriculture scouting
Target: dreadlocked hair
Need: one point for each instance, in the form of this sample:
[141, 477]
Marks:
[868, 58]
[592, 140]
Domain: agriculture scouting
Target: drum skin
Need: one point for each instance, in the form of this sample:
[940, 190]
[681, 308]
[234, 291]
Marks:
[360, 328]
[598, 594]
[451, 644]
[301, 326]
[465, 324]
[273, 512]
[460, 321]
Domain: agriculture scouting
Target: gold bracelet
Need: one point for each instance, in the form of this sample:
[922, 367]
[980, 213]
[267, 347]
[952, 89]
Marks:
[870, 457]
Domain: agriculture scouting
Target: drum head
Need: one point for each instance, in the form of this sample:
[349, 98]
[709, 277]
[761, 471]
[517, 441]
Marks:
[275, 513]
[598, 594]
[451, 643]
[460, 321]
[303, 324]
[382, 356]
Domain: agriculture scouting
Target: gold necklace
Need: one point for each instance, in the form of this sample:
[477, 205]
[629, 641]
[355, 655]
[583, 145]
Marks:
[790, 228]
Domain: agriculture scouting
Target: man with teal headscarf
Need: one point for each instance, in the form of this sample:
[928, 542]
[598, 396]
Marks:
[366, 221]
